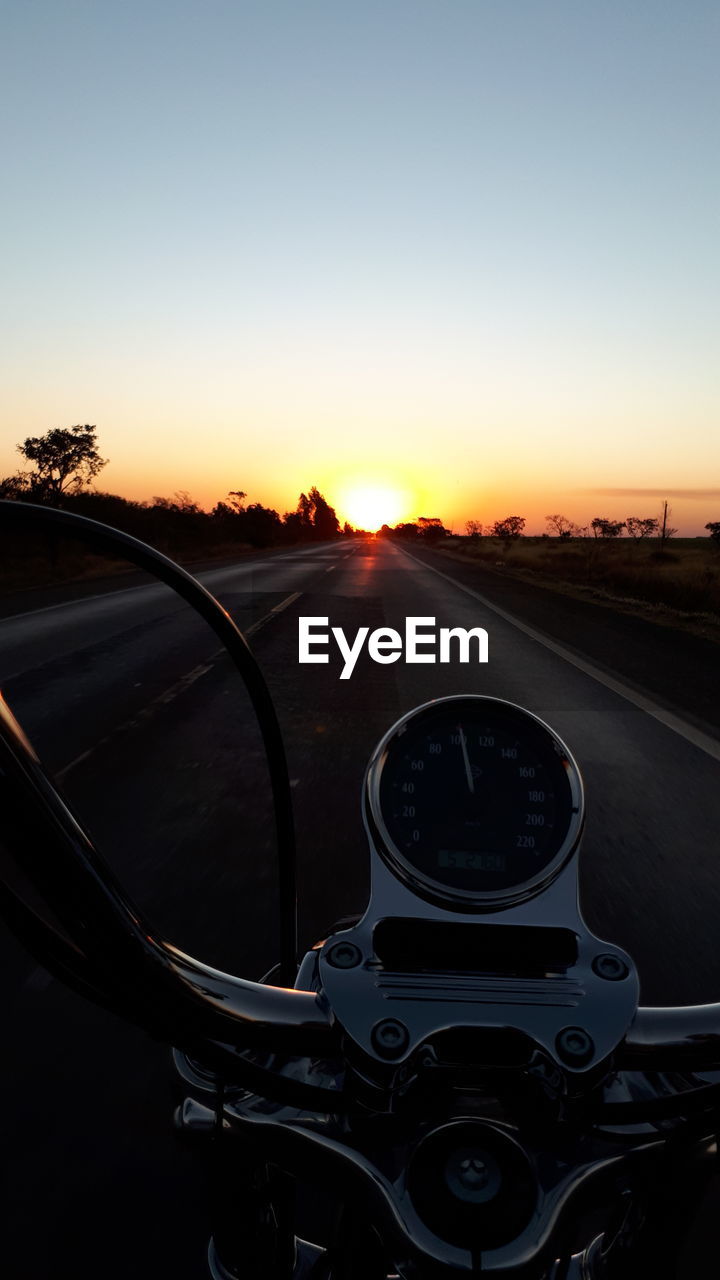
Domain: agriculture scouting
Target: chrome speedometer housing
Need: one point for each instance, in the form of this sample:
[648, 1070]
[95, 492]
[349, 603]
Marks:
[425, 961]
[473, 802]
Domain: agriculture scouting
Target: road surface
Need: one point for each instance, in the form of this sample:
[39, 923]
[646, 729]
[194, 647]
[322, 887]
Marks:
[128, 701]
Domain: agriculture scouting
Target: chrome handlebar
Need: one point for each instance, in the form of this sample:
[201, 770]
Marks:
[686, 1037]
[87, 932]
[104, 948]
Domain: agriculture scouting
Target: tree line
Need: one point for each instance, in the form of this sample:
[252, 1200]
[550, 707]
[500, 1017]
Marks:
[511, 528]
[66, 460]
[638, 528]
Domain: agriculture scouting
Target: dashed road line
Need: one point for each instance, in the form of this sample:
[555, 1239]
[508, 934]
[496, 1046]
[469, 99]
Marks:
[163, 699]
[278, 608]
[169, 695]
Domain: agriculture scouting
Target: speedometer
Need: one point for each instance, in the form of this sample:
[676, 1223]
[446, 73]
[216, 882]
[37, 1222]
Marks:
[474, 800]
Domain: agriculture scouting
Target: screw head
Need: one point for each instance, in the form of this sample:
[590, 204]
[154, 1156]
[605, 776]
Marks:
[390, 1038]
[611, 967]
[574, 1046]
[473, 1175]
[344, 955]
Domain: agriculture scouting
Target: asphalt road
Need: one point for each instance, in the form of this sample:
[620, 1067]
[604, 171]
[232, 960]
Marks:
[147, 728]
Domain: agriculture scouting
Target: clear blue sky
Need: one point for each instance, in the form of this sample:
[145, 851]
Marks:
[466, 248]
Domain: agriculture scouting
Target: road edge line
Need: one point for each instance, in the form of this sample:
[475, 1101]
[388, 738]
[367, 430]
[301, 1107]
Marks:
[696, 737]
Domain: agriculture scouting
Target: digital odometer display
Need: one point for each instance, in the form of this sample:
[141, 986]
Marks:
[475, 795]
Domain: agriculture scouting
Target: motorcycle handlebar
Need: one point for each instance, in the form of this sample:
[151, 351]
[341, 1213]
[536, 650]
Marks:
[105, 949]
[686, 1037]
[96, 939]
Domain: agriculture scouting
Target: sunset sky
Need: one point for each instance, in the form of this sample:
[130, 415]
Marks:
[463, 252]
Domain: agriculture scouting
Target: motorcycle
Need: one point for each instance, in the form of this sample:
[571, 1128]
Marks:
[463, 1071]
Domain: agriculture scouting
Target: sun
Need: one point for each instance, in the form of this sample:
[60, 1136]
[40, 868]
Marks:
[370, 506]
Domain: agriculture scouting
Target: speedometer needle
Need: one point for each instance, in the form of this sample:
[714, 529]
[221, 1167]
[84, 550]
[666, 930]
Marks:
[468, 771]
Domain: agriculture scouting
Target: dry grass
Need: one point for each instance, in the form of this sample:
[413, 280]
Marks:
[685, 579]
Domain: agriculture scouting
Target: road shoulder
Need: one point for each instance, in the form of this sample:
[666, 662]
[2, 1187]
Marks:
[681, 671]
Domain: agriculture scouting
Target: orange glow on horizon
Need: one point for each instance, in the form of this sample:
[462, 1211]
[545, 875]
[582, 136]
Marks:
[373, 487]
[369, 506]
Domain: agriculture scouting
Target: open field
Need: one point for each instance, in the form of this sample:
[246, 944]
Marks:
[680, 585]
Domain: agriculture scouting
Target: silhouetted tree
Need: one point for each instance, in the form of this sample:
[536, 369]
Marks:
[221, 511]
[407, 530]
[15, 487]
[509, 529]
[432, 528]
[293, 526]
[714, 530]
[324, 520]
[560, 526]
[305, 513]
[603, 528]
[180, 502]
[66, 459]
[473, 529]
[261, 526]
[639, 527]
[313, 518]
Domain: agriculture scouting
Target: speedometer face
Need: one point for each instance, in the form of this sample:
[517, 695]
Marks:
[475, 798]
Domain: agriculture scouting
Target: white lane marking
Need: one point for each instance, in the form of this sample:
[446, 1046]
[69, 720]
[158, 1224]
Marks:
[278, 608]
[694, 736]
[332, 566]
[162, 699]
[169, 695]
[84, 755]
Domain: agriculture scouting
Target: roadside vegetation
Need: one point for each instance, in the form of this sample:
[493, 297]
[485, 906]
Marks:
[684, 577]
[63, 464]
[635, 563]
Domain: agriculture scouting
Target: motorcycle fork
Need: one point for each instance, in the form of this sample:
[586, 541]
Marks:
[250, 1207]
[251, 1214]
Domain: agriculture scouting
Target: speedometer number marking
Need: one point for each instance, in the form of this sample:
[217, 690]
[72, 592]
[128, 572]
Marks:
[494, 803]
